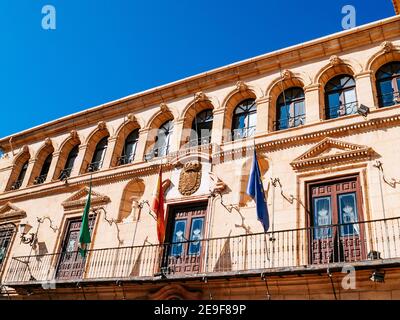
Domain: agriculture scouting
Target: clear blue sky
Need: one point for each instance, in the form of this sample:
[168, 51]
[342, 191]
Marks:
[104, 50]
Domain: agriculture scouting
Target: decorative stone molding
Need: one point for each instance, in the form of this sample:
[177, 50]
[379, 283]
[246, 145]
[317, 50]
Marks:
[330, 151]
[200, 96]
[48, 142]
[287, 74]
[164, 107]
[241, 86]
[73, 134]
[335, 61]
[78, 199]
[216, 184]
[102, 125]
[10, 212]
[131, 117]
[387, 46]
[190, 178]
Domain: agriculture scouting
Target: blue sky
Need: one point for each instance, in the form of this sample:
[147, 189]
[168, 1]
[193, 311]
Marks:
[103, 50]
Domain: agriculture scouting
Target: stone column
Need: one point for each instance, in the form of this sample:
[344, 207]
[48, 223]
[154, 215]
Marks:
[312, 104]
[217, 127]
[263, 115]
[109, 152]
[54, 162]
[364, 90]
[28, 174]
[176, 137]
[79, 160]
[141, 145]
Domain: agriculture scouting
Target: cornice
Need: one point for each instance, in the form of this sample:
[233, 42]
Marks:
[301, 53]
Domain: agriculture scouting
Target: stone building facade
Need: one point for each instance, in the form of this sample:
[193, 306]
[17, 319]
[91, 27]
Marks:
[324, 119]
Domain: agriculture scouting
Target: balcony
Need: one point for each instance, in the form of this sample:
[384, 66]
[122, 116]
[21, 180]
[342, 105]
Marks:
[371, 242]
[290, 122]
[389, 99]
[40, 179]
[94, 166]
[16, 185]
[65, 174]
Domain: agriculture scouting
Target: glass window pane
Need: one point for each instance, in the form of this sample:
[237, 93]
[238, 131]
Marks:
[386, 92]
[196, 234]
[333, 105]
[178, 236]
[322, 217]
[348, 214]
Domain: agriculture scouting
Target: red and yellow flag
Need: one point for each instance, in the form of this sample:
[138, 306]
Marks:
[158, 207]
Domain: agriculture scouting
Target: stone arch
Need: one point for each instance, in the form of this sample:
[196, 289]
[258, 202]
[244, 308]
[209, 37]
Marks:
[241, 93]
[277, 86]
[335, 68]
[91, 142]
[164, 115]
[244, 198]
[188, 115]
[66, 147]
[124, 130]
[387, 53]
[44, 151]
[131, 196]
[20, 159]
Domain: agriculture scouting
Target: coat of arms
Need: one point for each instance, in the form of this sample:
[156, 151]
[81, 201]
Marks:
[190, 178]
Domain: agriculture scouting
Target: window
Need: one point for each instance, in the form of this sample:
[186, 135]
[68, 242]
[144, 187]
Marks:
[290, 109]
[45, 170]
[69, 165]
[388, 84]
[99, 155]
[17, 184]
[244, 119]
[340, 97]
[201, 128]
[6, 234]
[161, 147]
[128, 153]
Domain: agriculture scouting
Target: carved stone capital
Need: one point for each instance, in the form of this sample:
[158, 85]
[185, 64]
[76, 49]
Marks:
[335, 60]
[200, 96]
[164, 107]
[241, 86]
[102, 125]
[48, 142]
[387, 46]
[131, 117]
[287, 74]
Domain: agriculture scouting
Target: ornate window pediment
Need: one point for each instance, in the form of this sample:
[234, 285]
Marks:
[78, 199]
[331, 151]
[9, 212]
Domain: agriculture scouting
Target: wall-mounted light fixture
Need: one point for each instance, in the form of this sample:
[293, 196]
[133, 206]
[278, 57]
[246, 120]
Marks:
[363, 110]
[377, 276]
[23, 230]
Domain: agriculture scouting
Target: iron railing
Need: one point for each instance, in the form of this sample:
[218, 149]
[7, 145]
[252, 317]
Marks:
[346, 243]
[290, 122]
[65, 174]
[389, 99]
[126, 159]
[40, 179]
[16, 185]
[243, 133]
[341, 110]
[95, 166]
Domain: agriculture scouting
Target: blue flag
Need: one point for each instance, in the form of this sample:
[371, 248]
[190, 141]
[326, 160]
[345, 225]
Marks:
[255, 190]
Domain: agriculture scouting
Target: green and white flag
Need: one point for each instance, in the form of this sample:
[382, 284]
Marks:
[84, 234]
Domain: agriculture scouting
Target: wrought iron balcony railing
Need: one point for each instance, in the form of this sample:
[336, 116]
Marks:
[389, 99]
[324, 245]
[290, 122]
[40, 179]
[243, 133]
[126, 159]
[16, 185]
[341, 110]
[65, 174]
[95, 166]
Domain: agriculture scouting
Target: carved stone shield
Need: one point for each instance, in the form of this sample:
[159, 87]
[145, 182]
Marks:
[190, 178]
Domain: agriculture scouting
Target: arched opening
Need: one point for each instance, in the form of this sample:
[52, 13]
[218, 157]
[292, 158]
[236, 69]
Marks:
[66, 161]
[388, 84]
[244, 119]
[131, 197]
[162, 140]
[340, 97]
[96, 149]
[42, 164]
[129, 148]
[290, 109]
[201, 128]
[99, 155]
[69, 164]
[18, 174]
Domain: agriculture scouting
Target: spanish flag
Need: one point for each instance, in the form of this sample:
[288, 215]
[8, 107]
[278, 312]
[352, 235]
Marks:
[158, 207]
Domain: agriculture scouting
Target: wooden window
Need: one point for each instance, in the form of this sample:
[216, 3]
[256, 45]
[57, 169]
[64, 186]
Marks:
[244, 119]
[340, 97]
[290, 109]
[388, 84]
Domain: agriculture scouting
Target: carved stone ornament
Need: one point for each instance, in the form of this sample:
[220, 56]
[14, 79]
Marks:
[287, 74]
[164, 107]
[335, 60]
[101, 125]
[200, 96]
[73, 134]
[241, 86]
[387, 46]
[48, 142]
[131, 117]
[190, 178]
